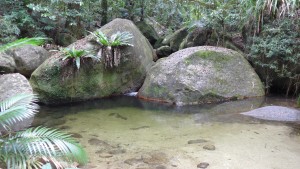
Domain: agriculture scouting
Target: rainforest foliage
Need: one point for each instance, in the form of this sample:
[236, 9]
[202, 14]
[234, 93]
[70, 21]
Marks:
[269, 29]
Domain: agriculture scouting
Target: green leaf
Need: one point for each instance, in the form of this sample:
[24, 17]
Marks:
[17, 108]
[25, 41]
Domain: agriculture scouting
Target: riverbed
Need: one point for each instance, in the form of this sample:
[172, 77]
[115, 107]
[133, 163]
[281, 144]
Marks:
[127, 133]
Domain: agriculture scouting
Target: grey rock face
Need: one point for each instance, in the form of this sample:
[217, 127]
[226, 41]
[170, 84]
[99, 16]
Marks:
[12, 84]
[275, 113]
[201, 75]
[163, 51]
[197, 37]
[28, 58]
[7, 64]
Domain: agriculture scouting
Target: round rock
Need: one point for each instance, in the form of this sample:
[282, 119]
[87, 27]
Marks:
[201, 75]
[58, 82]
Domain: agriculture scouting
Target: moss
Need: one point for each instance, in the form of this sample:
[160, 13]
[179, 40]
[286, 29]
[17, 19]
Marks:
[213, 56]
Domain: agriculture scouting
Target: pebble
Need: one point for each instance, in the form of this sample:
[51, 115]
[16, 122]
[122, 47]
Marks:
[203, 165]
[105, 155]
[197, 141]
[209, 147]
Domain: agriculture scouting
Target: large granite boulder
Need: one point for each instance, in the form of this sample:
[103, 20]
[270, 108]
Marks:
[174, 40]
[163, 51]
[148, 31]
[57, 81]
[28, 58]
[13, 84]
[7, 63]
[275, 113]
[197, 37]
[201, 75]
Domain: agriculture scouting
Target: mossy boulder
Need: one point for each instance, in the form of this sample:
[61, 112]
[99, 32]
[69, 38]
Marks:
[148, 31]
[57, 81]
[174, 40]
[163, 51]
[201, 75]
[7, 63]
[197, 37]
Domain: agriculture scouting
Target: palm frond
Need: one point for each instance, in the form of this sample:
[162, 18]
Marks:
[42, 142]
[17, 108]
[24, 41]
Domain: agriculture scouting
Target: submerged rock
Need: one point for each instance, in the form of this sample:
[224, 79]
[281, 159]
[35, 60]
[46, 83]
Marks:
[201, 75]
[197, 141]
[275, 113]
[203, 165]
[58, 82]
[209, 147]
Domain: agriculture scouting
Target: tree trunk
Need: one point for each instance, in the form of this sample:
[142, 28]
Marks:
[104, 6]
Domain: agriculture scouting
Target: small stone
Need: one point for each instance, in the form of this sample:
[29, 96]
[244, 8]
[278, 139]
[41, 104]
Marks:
[105, 155]
[95, 141]
[132, 161]
[160, 167]
[209, 147]
[203, 165]
[65, 127]
[197, 141]
[76, 135]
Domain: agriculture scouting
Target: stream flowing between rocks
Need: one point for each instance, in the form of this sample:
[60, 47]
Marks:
[127, 133]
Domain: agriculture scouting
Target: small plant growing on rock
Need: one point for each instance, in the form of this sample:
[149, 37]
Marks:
[77, 55]
[110, 47]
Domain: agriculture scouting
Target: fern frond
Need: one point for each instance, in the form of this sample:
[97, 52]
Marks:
[24, 41]
[17, 108]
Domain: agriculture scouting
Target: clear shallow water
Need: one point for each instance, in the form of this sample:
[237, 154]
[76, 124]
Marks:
[126, 133]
